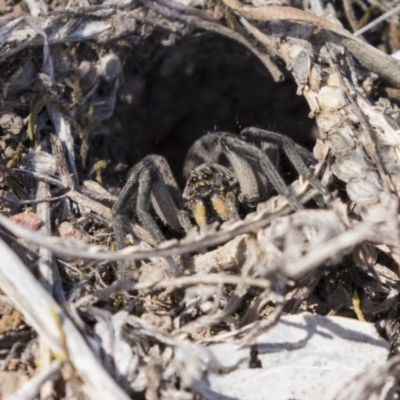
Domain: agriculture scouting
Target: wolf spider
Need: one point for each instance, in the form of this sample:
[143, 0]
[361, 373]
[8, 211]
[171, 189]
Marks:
[223, 171]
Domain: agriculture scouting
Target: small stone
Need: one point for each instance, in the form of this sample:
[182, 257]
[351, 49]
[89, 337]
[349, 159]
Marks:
[27, 219]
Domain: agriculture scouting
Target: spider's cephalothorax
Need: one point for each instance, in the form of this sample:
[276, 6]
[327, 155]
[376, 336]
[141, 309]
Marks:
[222, 170]
[211, 194]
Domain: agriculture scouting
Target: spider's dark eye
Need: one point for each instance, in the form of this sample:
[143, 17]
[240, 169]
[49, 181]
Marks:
[193, 180]
[206, 176]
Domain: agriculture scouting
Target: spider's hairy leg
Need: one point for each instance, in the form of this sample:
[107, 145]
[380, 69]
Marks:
[122, 204]
[239, 152]
[298, 156]
[166, 198]
[249, 188]
[142, 204]
[145, 193]
[142, 211]
[118, 209]
[149, 182]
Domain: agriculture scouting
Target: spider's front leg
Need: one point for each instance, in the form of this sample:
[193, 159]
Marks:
[300, 157]
[150, 184]
[246, 159]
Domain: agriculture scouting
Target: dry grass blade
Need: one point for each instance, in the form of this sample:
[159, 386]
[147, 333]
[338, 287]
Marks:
[386, 66]
[53, 324]
[30, 389]
[382, 18]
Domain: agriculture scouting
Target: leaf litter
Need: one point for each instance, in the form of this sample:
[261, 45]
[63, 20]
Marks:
[281, 299]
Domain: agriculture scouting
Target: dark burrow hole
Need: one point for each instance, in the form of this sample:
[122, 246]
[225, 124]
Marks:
[172, 95]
